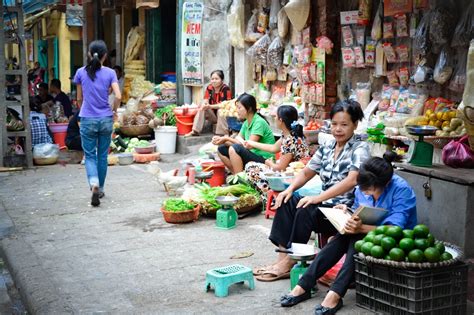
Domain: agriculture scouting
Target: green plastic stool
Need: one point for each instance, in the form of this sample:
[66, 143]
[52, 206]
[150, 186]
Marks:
[222, 278]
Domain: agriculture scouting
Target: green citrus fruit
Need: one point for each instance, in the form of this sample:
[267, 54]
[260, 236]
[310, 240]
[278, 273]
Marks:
[407, 244]
[378, 238]
[432, 254]
[431, 239]
[397, 254]
[446, 256]
[394, 231]
[387, 257]
[440, 247]
[421, 243]
[408, 234]
[369, 238]
[366, 247]
[421, 231]
[358, 245]
[388, 243]
[381, 229]
[416, 256]
[371, 232]
[377, 251]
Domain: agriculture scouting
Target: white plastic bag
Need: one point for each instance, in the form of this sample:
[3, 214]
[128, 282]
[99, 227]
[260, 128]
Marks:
[235, 24]
[443, 69]
[274, 9]
[45, 151]
[275, 53]
[283, 23]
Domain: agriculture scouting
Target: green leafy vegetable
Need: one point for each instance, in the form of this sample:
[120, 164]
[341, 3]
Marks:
[170, 117]
[177, 205]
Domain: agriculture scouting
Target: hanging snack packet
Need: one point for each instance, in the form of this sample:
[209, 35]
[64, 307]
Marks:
[393, 79]
[359, 57]
[312, 93]
[389, 53]
[251, 34]
[275, 53]
[401, 25]
[412, 25]
[306, 36]
[305, 76]
[376, 32]
[370, 54]
[320, 95]
[402, 53]
[347, 36]
[313, 72]
[404, 76]
[305, 56]
[388, 30]
[320, 72]
[360, 35]
[262, 22]
[365, 7]
[348, 57]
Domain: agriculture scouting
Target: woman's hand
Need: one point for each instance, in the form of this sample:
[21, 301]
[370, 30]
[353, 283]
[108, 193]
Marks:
[353, 225]
[218, 140]
[283, 197]
[306, 201]
[269, 162]
[248, 144]
[342, 207]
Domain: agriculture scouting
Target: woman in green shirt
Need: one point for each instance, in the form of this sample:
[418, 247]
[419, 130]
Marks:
[232, 151]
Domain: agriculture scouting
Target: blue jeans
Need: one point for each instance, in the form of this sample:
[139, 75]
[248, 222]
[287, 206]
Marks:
[96, 134]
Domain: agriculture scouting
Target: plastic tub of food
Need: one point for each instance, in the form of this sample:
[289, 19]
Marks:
[278, 181]
[125, 158]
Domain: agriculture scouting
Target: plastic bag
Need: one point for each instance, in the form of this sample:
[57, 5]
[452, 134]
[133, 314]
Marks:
[329, 277]
[259, 50]
[235, 25]
[421, 41]
[251, 34]
[464, 31]
[274, 10]
[443, 69]
[440, 28]
[275, 53]
[376, 32]
[264, 95]
[458, 154]
[45, 151]
[458, 81]
[283, 23]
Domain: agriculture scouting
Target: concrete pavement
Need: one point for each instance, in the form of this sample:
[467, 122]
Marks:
[67, 257]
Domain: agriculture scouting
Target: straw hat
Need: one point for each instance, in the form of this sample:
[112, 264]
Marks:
[298, 12]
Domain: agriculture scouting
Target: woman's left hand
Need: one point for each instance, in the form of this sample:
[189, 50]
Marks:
[218, 140]
[306, 201]
[353, 225]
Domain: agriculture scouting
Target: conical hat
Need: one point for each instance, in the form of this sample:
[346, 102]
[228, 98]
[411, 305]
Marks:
[298, 12]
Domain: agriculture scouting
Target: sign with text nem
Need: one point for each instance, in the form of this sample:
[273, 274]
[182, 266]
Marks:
[191, 54]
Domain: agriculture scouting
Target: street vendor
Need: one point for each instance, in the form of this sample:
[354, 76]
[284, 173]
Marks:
[379, 187]
[215, 94]
[231, 151]
[337, 162]
[292, 146]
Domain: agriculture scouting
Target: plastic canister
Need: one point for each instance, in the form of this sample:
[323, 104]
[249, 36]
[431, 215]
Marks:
[165, 138]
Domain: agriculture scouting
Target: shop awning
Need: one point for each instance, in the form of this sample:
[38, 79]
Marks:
[31, 6]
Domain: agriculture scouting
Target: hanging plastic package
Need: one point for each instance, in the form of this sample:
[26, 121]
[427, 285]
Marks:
[258, 51]
[458, 80]
[464, 31]
[421, 41]
[235, 24]
[251, 34]
[440, 29]
[274, 9]
[283, 23]
[458, 154]
[443, 69]
[376, 32]
[275, 53]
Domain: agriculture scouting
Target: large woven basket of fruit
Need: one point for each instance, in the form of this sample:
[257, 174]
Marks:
[407, 249]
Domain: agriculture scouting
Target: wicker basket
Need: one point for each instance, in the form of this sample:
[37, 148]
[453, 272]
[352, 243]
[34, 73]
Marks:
[181, 216]
[133, 131]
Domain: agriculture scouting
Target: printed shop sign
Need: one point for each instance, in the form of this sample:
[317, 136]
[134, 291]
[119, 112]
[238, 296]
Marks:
[191, 55]
[392, 7]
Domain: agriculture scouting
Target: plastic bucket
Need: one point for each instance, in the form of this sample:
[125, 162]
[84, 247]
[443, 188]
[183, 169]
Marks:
[218, 178]
[60, 138]
[184, 124]
[165, 139]
[59, 127]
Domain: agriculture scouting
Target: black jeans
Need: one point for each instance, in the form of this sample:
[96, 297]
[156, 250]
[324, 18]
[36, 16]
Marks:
[327, 258]
[245, 154]
[294, 225]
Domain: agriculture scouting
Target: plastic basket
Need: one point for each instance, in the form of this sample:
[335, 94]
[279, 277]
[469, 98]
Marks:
[388, 290]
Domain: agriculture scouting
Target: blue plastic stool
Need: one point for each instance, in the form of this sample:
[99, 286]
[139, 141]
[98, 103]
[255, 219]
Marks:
[222, 278]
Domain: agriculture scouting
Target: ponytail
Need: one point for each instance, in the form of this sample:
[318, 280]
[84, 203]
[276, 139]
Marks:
[289, 116]
[97, 50]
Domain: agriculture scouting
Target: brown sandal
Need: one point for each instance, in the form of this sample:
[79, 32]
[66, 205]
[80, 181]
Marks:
[270, 276]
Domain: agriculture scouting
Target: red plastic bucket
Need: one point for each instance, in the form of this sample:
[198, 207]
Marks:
[184, 124]
[218, 178]
[60, 138]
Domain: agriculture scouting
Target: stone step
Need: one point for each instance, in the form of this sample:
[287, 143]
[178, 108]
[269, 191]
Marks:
[183, 143]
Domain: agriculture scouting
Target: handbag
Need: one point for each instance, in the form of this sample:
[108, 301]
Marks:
[457, 153]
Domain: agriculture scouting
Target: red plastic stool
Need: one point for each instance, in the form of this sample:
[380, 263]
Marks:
[270, 196]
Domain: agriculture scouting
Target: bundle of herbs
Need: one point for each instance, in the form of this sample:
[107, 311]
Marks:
[247, 196]
[177, 205]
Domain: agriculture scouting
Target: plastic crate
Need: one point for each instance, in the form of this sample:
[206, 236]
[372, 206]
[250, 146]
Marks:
[389, 290]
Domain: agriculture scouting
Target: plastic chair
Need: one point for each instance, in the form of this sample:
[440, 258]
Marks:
[222, 278]
[270, 196]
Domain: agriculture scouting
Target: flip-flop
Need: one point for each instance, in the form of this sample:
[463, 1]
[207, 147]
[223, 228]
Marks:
[257, 271]
[274, 276]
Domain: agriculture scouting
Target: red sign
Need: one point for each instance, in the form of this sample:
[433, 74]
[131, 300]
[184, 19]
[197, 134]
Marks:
[392, 7]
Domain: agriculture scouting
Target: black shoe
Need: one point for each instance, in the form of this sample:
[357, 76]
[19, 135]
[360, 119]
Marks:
[322, 310]
[288, 300]
[101, 195]
[95, 201]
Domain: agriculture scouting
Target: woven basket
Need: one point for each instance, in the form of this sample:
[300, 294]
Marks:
[410, 265]
[181, 216]
[137, 130]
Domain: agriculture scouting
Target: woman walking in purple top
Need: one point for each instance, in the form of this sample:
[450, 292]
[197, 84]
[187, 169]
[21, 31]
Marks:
[93, 83]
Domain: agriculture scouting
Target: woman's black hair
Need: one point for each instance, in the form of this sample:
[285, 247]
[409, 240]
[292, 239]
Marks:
[219, 73]
[349, 106]
[289, 115]
[97, 50]
[376, 172]
[249, 103]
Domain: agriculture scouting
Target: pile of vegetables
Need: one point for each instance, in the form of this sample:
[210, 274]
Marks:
[177, 205]
[207, 196]
[168, 111]
[135, 143]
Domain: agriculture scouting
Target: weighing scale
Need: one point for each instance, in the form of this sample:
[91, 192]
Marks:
[302, 253]
[226, 217]
[203, 176]
[420, 153]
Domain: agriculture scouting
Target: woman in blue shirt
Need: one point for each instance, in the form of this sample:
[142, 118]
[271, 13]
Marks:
[379, 187]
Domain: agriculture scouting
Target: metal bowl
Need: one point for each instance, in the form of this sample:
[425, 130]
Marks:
[226, 200]
[421, 130]
[145, 150]
[125, 158]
